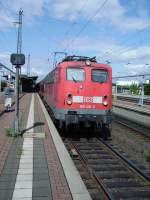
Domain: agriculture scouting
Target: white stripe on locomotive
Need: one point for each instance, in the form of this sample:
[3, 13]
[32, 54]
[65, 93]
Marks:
[82, 99]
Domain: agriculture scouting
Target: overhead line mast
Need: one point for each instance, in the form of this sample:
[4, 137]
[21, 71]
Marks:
[28, 66]
[19, 40]
[18, 68]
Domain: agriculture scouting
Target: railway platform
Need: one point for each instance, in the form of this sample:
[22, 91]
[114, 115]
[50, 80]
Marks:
[36, 164]
[132, 112]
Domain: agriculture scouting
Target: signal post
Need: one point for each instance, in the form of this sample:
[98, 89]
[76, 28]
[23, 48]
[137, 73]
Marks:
[17, 60]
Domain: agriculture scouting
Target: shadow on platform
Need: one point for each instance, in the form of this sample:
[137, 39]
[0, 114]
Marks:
[35, 125]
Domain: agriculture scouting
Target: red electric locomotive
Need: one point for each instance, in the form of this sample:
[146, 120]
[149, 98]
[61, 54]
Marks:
[79, 92]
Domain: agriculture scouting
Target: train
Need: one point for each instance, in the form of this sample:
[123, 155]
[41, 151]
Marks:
[78, 92]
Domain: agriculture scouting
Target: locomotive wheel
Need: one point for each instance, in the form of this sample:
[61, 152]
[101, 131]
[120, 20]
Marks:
[66, 131]
[71, 130]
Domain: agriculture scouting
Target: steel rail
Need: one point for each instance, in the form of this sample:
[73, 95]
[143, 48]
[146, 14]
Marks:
[143, 133]
[102, 186]
[130, 163]
[132, 99]
[129, 167]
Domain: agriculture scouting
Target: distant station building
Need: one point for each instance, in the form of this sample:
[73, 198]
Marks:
[28, 83]
[148, 81]
[127, 83]
[123, 86]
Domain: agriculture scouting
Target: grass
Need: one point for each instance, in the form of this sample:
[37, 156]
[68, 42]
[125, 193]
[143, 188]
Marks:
[10, 132]
[148, 155]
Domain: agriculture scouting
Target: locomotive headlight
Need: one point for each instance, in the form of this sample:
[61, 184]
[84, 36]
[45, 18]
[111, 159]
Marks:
[105, 103]
[87, 62]
[69, 102]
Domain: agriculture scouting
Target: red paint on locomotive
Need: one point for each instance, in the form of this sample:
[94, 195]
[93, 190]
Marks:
[79, 91]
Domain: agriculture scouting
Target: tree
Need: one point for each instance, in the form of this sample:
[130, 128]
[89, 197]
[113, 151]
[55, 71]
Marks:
[147, 89]
[134, 89]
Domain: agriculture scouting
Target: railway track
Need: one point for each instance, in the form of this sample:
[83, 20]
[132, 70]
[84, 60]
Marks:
[106, 172]
[132, 125]
[140, 139]
[133, 99]
[114, 177]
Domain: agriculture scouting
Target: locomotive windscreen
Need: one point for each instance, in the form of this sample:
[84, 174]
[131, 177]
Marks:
[99, 75]
[75, 74]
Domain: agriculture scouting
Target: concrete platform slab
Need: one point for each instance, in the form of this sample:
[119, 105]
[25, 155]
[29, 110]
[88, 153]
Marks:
[34, 135]
[23, 199]
[26, 165]
[22, 193]
[27, 160]
[26, 177]
[23, 185]
[26, 157]
[25, 171]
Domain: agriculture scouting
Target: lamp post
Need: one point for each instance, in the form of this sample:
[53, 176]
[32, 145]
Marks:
[141, 97]
[0, 83]
[116, 88]
[0, 80]
[116, 91]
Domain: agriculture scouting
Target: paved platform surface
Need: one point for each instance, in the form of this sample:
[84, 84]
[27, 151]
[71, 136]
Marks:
[131, 111]
[36, 165]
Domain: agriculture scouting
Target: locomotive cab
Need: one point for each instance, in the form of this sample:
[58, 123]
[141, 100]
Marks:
[86, 93]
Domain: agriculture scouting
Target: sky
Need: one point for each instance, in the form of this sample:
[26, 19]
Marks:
[112, 30]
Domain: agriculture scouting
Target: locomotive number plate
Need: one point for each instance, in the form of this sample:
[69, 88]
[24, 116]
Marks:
[88, 99]
[83, 99]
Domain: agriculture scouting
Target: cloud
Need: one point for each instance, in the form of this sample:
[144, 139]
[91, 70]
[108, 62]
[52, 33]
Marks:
[5, 58]
[104, 49]
[40, 66]
[107, 49]
[5, 21]
[134, 69]
[113, 16]
[10, 8]
[64, 9]
[89, 44]
[30, 8]
[112, 13]
[139, 53]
